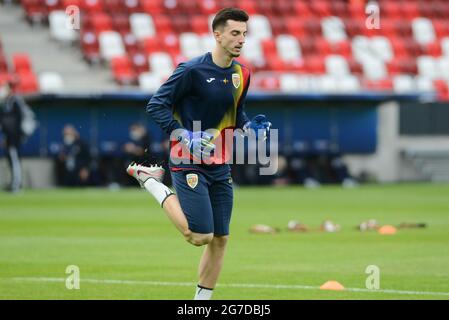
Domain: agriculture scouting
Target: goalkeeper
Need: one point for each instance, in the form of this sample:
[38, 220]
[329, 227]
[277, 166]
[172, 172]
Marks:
[210, 89]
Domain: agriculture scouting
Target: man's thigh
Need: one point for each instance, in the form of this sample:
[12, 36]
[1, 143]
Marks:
[193, 194]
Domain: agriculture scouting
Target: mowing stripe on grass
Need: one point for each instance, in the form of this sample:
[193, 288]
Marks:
[229, 285]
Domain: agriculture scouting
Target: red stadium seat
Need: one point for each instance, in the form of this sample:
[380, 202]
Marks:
[433, 49]
[4, 78]
[151, 45]
[181, 24]
[208, 7]
[113, 6]
[66, 3]
[249, 6]
[162, 24]
[323, 47]
[34, 10]
[315, 64]
[189, 7]
[442, 89]
[278, 25]
[200, 25]
[270, 83]
[378, 85]
[26, 83]
[410, 9]
[391, 9]
[3, 63]
[101, 22]
[295, 27]
[275, 63]
[90, 47]
[132, 6]
[441, 27]
[339, 9]
[131, 43]
[321, 8]
[91, 6]
[152, 7]
[21, 63]
[123, 71]
[53, 5]
[269, 47]
[140, 63]
[121, 23]
[302, 10]
[170, 42]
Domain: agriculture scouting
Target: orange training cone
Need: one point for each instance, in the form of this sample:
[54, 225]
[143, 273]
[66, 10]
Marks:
[332, 285]
[387, 229]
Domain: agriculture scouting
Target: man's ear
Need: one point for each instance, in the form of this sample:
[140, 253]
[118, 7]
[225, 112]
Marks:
[217, 35]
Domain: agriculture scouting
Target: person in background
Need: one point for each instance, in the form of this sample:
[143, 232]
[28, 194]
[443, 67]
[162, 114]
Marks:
[139, 141]
[17, 122]
[73, 160]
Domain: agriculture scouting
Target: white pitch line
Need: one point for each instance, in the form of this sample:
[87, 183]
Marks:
[229, 285]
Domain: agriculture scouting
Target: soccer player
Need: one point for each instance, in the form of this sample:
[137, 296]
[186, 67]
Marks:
[212, 89]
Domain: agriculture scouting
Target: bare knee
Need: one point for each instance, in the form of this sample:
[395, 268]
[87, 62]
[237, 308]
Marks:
[220, 241]
[199, 239]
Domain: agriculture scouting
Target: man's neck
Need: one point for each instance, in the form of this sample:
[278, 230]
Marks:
[221, 59]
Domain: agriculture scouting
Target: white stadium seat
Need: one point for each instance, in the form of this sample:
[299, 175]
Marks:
[149, 82]
[424, 84]
[207, 42]
[404, 83]
[259, 27]
[382, 47]
[348, 84]
[161, 64]
[333, 29]
[288, 48]
[336, 65]
[50, 82]
[58, 22]
[111, 45]
[191, 45]
[142, 25]
[289, 83]
[427, 67]
[252, 50]
[374, 68]
[423, 30]
[445, 46]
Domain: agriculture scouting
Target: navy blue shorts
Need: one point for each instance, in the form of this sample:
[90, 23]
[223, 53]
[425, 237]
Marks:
[206, 197]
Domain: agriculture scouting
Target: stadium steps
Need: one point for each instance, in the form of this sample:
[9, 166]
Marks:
[48, 55]
[432, 164]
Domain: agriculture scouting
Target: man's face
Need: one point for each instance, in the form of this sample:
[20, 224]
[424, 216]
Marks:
[231, 37]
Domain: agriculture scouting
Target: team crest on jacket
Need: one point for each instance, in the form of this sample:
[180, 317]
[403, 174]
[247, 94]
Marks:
[236, 80]
[192, 180]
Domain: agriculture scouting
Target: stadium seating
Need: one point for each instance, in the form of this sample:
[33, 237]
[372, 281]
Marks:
[288, 40]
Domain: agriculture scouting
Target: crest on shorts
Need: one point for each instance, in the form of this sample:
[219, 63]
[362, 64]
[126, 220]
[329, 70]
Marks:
[192, 180]
[236, 80]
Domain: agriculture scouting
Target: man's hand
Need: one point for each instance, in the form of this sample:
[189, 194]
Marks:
[259, 122]
[199, 143]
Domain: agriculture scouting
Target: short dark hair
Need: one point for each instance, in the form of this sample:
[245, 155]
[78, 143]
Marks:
[226, 14]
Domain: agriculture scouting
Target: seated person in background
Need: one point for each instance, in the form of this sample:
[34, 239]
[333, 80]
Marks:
[134, 149]
[139, 141]
[73, 160]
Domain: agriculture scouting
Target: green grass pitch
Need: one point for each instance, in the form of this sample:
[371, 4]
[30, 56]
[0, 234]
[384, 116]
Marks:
[126, 248]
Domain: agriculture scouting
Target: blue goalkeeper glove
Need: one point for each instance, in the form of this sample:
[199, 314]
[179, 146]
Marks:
[198, 143]
[259, 122]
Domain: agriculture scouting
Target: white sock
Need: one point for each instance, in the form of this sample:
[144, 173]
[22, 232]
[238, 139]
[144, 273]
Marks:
[159, 190]
[203, 293]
